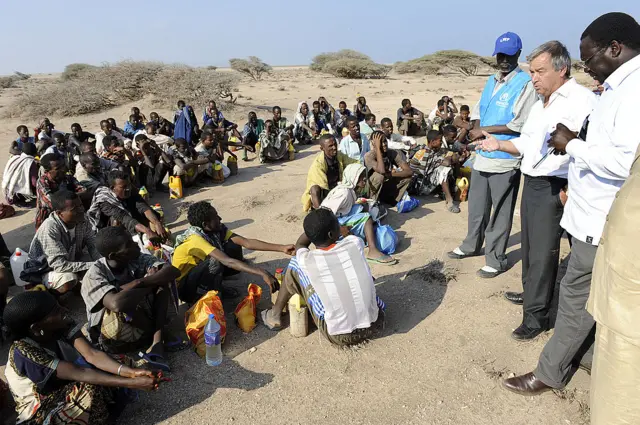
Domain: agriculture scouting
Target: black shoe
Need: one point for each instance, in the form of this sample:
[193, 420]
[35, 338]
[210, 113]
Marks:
[524, 333]
[488, 275]
[514, 297]
[456, 256]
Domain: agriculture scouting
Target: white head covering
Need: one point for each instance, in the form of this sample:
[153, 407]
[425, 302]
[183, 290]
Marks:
[342, 198]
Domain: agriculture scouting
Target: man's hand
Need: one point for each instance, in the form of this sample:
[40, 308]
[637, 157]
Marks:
[563, 197]
[489, 144]
[144, 383]
[475, 134]
[271, 281]
[560, 138]
[135, 373]
[289, 249]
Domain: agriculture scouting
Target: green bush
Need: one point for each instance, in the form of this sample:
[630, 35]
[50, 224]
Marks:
[253, 67]
[75, 70]
[456, 61]
[349, 64]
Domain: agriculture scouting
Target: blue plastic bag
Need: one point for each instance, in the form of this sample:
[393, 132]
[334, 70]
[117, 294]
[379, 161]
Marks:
[386, 239]
[407, 203]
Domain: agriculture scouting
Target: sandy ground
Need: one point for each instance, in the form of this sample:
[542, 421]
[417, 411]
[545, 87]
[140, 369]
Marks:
[445, 347]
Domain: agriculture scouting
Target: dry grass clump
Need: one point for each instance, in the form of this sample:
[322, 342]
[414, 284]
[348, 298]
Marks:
[84, 89]
[254, 67]
[349, 64]
[11, 80]
[447, 61]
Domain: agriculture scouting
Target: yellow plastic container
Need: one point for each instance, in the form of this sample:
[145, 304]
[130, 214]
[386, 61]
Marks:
[463, 185]
[218, 176]
[144, 193]
[175, 187]
[292, 152]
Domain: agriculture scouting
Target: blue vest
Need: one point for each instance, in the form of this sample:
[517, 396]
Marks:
[497, 109]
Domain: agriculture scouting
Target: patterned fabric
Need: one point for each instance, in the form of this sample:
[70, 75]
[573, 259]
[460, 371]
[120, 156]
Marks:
[101, 279]
[45, 187]
[61, 247]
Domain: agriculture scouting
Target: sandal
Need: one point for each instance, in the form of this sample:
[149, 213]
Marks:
[453, 208]
[265, 321]
[156, 361]
[385, 261]
[176, 345]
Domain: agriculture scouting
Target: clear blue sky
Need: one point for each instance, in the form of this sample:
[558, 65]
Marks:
[44, 36]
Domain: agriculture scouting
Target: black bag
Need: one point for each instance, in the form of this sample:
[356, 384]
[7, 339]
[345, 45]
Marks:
[34, 270]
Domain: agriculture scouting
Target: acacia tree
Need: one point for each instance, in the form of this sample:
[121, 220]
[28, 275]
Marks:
[254, 67]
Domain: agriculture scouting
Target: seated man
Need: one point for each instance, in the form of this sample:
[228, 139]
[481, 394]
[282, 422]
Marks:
[116, 152]
[78, 136]
[340, 117]
[112, 121]
[107, 130]
[463, 123]
[21, 177]
[436, 168]
[443, 114]
[23, 138]
[389, 173]
[207, 251]
[151, 131]
[60, 242]
[326, 110]
[410, 119]
[317, 119]
[127, 296]
[251, 133]
[185, 162]
[325, 172]
[132, 126]
[327, 278]
[214, 120]
[47, 130]
[368, 125]
[163, 125]
[210, 153]
[119, 205]
[89, 173]
[54, 178]
[302, 130]
[450, 139]
[139, 115]
[355, 145]
[394, 140]
[61, 147]
[90, 147]
[153, 164]
[281, 123]
[361, 109]
[274, 145]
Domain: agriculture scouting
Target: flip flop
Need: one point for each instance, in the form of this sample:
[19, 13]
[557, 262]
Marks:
[271, 327]
[176, 345]
[385, 261]
[154, 360]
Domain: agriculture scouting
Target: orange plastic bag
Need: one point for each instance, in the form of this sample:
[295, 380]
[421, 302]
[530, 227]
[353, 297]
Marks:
[246, 310]
[196, 318]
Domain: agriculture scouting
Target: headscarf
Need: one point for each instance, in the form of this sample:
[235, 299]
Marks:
[184, 126]
[298, 117]
[342, 198]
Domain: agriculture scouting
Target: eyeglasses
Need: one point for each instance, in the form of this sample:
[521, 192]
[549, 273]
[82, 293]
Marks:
[585, 63]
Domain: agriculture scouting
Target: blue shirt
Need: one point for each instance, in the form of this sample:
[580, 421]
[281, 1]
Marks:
[30, 140]
[350, 148]
[130, 130]
[209, 120]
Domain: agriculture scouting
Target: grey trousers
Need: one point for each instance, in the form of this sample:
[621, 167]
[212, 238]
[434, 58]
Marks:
[500, 191]
[541, 212]
[574, 323]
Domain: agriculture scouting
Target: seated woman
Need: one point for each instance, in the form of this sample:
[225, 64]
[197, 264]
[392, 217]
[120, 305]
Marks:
[274, 145]
[185, 162]
[325, 172]
[53, 179]
[127, 295]
[48, 385]
[302, 130]
[119, 204]
[186, 125]
[21, 177]
[353, 215]
[207, 251]
[346, 310]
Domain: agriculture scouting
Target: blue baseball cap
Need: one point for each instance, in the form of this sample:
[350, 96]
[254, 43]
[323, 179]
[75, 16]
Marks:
[508, 43]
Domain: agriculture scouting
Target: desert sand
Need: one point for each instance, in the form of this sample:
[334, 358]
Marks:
[445, 348]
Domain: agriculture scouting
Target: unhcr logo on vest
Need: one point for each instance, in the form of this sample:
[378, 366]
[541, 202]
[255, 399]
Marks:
[503, 102]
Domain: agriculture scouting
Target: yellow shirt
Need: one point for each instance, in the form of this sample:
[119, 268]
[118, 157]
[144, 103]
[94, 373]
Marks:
[192, 251]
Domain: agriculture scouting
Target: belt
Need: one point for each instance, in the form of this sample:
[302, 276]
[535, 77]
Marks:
[550, 179]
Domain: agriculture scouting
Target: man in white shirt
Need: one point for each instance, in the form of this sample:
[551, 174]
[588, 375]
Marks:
[107, 130]
[561, 100]
[368, 125]
[356, 144]
[394, 140]
[610, 49]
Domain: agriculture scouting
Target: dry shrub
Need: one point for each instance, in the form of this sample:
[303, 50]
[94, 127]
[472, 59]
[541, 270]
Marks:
[76, 70]
[456, 61]
[11, 80]
[253, 67]
[93, 89]
[349, 64]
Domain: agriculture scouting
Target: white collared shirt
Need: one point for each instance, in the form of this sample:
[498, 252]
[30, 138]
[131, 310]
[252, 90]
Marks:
[601, 165]
[400, 143]
[570, 105]
[351, 148]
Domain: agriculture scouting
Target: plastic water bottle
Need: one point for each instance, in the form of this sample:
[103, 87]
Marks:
[212, 340]
[18, 259]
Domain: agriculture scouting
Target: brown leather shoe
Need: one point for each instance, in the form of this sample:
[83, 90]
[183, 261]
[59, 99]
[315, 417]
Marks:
[526, 385]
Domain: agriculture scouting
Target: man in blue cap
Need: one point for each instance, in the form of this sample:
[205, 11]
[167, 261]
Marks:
[502, 110]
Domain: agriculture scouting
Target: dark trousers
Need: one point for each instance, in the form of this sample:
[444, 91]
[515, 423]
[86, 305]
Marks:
[207, 276]
[574, 324]
[500, 191]
[540, 212]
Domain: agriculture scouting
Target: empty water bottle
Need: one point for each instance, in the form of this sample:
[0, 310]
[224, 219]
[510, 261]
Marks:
[212, 341]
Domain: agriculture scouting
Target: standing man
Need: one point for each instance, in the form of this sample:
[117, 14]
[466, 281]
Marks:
[502, 110]
[562, 100]
[599, 166]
